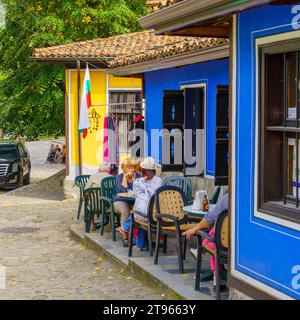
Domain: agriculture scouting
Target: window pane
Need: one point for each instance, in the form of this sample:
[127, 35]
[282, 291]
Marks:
[279, 131]
[125, 112]
[291, 78]
[274, 99]
[292, 167]
[274, 167]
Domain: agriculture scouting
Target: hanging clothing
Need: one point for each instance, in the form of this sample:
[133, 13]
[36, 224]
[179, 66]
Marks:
[139, 123]
[111, 152]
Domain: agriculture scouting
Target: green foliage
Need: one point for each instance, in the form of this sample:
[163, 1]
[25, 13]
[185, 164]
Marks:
[32, 94]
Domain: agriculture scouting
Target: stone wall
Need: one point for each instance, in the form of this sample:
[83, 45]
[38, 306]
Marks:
[237, 295]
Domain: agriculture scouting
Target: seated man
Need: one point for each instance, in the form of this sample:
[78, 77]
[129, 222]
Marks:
[95, 179]
[62, 157]
[209, 220]
[143, 189]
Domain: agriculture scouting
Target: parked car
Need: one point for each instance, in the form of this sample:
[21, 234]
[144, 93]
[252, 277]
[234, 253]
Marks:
[15, 165]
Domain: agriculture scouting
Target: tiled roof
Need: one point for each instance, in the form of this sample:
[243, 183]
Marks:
[112, 47]
[183, 45]
[159, 4]
[128, 49]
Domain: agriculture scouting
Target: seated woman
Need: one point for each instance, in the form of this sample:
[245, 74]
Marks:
[62, 156]
[124, 184]
[96, 178]
[143, 189]
[209, 220]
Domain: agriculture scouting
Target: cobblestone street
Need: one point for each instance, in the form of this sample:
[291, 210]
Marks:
[43, 262]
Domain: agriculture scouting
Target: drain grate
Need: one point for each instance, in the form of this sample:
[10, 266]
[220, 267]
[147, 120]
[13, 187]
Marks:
[19, 230]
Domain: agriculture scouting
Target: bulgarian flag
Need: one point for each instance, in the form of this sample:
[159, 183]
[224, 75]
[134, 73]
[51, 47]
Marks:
[84, 122]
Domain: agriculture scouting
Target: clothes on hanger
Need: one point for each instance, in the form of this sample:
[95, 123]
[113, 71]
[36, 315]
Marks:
[111, 151]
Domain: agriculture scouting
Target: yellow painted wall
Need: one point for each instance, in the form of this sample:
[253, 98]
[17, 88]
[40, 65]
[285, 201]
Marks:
[118, 82]
[92, 146]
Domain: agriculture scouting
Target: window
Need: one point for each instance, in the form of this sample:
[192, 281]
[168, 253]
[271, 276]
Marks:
[173, 121]
[125, 106]
[279, 130]
[184, 125]
[222, 136]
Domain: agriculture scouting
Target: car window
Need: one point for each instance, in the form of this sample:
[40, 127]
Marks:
[8, 151]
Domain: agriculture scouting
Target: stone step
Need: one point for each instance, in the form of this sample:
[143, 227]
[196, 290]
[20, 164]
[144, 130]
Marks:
[164, 276]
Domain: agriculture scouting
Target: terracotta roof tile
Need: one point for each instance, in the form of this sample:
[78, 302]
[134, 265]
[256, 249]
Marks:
[128, 49]
[112, 47]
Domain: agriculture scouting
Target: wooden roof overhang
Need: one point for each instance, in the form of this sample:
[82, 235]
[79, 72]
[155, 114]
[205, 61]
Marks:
[71, 62]
[205, 18]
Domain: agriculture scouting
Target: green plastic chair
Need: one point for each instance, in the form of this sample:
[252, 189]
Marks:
[80, 182]
[93, 206]
[108, 193]
[183, 183]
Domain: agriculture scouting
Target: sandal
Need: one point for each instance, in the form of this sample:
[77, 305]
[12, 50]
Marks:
[125, 243]
[137, 249]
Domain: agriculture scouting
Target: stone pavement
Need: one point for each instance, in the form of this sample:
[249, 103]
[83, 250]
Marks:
[43, 262]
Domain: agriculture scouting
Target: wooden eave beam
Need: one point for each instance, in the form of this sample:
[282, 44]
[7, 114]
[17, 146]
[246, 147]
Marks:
[203, 31]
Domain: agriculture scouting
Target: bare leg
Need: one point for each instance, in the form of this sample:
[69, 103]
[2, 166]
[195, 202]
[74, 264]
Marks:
[123, 209]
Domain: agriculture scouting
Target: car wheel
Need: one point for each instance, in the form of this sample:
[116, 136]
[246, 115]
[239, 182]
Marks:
[27, 180]
[21, 180]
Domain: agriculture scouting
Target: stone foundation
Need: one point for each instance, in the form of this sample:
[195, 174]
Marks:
[237, 295]
[70, 190]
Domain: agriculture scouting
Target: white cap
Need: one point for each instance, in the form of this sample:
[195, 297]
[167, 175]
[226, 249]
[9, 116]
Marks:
[148, 164]
[104, 167]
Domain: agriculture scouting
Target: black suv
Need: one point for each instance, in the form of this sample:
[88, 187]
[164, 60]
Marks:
[15, 165]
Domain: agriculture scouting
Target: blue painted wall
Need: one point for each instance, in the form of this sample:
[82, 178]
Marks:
[264, 251]
[212, 73]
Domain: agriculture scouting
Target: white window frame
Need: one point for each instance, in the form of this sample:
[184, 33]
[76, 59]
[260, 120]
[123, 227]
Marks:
[204, 151]
[293, 35]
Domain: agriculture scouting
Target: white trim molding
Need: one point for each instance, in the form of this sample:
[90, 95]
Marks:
[204, 86]
[188, 12]
[233, 143]
[125, 89]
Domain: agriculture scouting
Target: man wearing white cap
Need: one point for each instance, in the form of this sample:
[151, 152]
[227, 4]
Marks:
[95, 179]
[143, 189]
